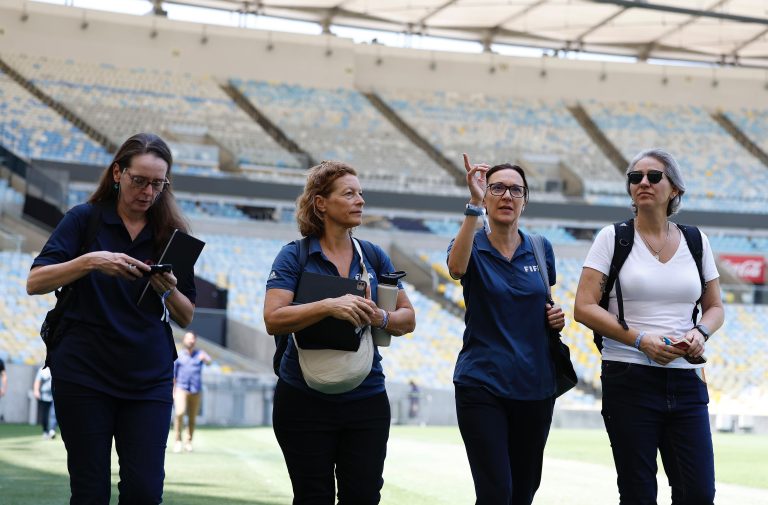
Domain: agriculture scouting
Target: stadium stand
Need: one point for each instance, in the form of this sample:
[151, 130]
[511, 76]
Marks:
[505, 129]
[341, 124]
[178, 106]
[207, 131]
[754, 124]
[31, 129]
[9, 197]
[719, 173]
[20, 314]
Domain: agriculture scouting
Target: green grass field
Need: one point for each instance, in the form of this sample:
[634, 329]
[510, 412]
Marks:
[425, 466]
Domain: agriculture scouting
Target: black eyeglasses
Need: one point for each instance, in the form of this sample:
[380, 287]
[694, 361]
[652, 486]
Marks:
[498, 189]
[139, 182]
[654, 176]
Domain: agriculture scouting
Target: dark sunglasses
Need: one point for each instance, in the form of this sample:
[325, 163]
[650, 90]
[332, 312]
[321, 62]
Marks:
[654, 176]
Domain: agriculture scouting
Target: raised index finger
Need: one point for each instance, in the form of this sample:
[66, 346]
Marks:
[467, 164]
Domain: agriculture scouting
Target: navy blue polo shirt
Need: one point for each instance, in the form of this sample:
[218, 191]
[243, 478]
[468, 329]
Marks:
[109, 343]
[506, 349]
[285, 274]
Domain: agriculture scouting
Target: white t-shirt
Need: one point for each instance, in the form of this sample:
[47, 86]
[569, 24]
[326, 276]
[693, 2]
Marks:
[658, 297]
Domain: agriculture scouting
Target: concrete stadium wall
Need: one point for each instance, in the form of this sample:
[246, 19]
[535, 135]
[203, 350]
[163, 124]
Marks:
[124, 40]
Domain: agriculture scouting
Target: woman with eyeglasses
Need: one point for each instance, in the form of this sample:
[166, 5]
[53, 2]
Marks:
[113, 366]
[504, 377]
[654, 394]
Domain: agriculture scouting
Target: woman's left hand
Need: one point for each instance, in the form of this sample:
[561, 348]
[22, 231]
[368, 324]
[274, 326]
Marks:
[163, 282]
[696, 340]
[555, 317]
[378, 314]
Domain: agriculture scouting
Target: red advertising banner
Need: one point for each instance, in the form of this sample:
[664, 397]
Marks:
[748, 268]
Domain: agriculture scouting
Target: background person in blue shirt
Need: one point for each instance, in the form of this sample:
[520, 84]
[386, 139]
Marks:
[187, 389]
[113, 369]
[504, 377]
[322, 435]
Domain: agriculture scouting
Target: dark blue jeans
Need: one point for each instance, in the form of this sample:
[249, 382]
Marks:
[88, 420]
[320, 437]
[646, 409]
[505, 444]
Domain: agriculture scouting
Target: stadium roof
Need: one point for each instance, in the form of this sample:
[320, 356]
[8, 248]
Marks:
[723, 31]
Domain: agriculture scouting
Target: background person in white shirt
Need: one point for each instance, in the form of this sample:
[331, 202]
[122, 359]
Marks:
[653, 398]
[41, 388]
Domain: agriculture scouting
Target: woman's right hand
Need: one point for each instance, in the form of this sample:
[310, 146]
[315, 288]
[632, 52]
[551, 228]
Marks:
[659, 351]
[476, 179]
[118, 265]
[351, 308]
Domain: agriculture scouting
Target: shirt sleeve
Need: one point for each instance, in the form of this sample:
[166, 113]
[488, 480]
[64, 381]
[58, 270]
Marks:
[64, 243]
[471, 254]
[708, 266]
[601, 253]
[286, 270]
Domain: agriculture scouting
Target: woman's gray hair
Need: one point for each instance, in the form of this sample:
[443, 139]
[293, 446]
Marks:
[672, 171]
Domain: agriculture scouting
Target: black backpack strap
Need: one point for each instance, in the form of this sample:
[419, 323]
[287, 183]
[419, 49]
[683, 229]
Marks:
[539, 252]
[622, 245]
[693, 238]
[281, 341]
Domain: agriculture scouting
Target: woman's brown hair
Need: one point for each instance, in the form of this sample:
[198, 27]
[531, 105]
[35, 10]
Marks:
[164, 215]
[320, 180]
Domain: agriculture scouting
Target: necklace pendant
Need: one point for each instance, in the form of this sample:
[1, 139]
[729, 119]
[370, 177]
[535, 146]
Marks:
[657, 257]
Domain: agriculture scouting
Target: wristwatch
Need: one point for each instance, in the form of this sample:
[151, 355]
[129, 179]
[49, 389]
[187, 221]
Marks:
[473, 210]
[703, 330]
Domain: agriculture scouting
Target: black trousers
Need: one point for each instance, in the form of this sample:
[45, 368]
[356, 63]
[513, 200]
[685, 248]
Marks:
[505, 444]
[44, 414]
[318, 437]
[89, 419]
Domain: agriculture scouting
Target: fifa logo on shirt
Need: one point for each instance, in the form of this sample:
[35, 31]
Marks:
[531, 268]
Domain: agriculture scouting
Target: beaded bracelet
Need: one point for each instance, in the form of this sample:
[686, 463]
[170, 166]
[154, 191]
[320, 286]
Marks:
[639, 339]
[385, 320]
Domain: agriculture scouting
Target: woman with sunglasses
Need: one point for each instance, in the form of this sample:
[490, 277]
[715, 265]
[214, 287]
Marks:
[113, 367]
[654, 398]
[504, 377]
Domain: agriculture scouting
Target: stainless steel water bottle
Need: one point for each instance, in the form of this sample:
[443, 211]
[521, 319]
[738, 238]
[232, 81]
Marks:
[386, 299]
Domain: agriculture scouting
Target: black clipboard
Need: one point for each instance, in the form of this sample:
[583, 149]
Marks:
[182, 252]
[329, 333]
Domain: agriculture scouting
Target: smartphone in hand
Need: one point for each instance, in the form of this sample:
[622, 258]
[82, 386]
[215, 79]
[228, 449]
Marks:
[156, 269]
[684, 345]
